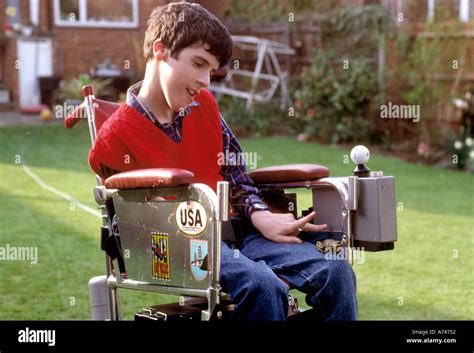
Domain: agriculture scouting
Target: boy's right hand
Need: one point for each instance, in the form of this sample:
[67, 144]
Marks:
[283, 227]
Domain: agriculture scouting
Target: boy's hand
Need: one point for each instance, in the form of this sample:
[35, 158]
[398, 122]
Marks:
[282, 227]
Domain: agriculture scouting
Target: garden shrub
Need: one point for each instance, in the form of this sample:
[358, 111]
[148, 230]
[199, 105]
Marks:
[262, 120]
[333, 103]
[335, 96]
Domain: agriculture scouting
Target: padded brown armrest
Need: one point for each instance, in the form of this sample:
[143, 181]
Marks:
[150, 178]
[288, 173]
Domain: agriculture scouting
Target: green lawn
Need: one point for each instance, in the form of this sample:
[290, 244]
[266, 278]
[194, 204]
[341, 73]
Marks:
[429, 275]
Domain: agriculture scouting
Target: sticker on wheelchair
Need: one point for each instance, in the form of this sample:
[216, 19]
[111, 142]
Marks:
[160, 253]
[191, 218]
[199, 258]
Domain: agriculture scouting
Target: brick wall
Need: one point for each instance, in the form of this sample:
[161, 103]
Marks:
[46, 16]
[76, 49]
[24, 11]
[2, 12]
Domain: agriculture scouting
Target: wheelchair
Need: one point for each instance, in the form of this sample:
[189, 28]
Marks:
[171, 228]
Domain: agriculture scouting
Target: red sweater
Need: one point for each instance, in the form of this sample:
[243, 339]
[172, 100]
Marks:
[129, 141]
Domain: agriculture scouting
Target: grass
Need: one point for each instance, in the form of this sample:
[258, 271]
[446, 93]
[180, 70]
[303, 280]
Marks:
[429, 275]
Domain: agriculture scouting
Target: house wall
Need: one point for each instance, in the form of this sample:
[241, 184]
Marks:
[77, 50]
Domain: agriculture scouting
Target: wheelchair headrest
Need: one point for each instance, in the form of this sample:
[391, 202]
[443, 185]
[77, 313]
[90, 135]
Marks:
[102, 111]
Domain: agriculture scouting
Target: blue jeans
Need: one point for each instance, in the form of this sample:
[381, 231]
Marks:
[252, 275]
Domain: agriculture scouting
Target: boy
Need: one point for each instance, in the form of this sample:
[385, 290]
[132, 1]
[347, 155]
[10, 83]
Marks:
[170, 120]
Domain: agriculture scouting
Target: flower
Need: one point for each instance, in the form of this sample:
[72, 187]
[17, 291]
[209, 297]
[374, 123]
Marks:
[302, 137]
[423, 149]
[468, 142]
[310, 113]
[6, 26]
[458, 145]
[297, 104]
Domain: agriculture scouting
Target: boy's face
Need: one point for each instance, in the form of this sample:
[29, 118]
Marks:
[183, 77]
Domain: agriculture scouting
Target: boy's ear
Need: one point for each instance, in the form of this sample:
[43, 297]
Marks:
[159, 50]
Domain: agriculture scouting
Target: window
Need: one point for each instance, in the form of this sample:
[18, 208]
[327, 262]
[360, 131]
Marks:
[96, 13]
[433, 10]
[449, 10]
[69, 10]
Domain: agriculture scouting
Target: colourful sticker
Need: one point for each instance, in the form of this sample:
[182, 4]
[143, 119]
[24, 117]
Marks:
[191, 218]
[160, 255]
[199, 259]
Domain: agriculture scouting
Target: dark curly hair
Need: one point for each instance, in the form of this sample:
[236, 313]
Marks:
[181, 24]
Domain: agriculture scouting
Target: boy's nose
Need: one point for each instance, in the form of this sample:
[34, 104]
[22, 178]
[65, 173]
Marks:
[204, 80]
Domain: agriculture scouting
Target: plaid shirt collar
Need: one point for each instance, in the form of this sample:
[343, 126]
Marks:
[135, 103]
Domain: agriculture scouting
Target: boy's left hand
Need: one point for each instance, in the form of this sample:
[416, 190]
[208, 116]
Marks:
[283, 227]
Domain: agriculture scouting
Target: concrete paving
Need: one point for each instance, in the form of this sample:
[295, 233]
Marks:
[14, 118]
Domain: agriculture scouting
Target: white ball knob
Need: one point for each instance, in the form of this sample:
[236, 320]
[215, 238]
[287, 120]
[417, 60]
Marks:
[360, 154]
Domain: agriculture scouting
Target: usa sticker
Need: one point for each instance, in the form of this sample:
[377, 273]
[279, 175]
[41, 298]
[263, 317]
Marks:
[191, 218]
[160, 256]
[199, 262]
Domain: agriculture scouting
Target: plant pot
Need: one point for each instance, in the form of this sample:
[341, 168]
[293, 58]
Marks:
[27, 31]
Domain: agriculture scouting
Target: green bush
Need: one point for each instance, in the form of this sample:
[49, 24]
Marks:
[72, 89]
[333, 101]
[262, 120]
[335, 96]
[460, 151]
